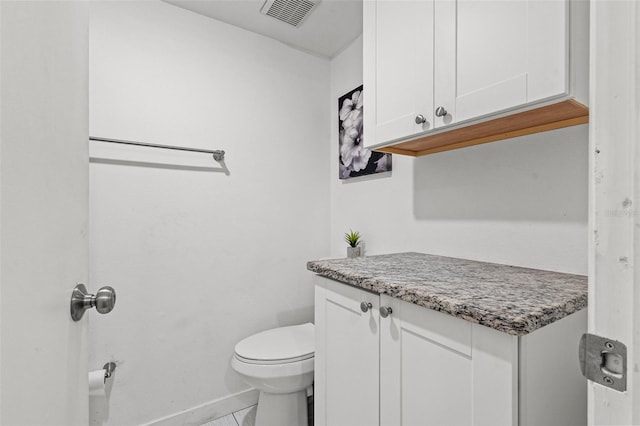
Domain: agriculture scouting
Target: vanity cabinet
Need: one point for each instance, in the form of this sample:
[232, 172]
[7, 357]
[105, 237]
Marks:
[402, 364]
[434, 66]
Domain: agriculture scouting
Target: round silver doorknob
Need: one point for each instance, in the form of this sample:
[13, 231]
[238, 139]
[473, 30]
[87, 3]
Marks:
[420, 119]
[365, 306]
[385, 311]
[441, 112]
[104, 301]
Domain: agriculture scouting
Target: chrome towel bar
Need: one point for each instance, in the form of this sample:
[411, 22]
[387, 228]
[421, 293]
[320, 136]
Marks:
[218, 155]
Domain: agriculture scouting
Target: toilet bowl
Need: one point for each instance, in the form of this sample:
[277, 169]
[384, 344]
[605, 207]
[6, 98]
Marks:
[279, 363]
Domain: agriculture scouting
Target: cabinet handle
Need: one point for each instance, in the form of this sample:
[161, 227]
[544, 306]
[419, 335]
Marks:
[365, 306]
[385, 311]
[441, 112]
[420, 119]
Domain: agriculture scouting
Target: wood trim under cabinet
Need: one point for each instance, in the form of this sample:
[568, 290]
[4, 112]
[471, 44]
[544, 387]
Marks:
[562, 114]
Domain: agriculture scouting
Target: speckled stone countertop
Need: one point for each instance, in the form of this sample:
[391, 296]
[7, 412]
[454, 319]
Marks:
[514, 300]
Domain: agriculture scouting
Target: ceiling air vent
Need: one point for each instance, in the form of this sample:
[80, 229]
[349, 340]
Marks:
[292, 12]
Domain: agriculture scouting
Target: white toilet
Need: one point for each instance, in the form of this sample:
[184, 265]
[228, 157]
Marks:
[279, 363]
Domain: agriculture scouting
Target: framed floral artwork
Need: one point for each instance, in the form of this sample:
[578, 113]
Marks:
[355, 159]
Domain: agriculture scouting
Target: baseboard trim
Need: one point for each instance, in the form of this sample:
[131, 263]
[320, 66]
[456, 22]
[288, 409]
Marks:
[209, 410]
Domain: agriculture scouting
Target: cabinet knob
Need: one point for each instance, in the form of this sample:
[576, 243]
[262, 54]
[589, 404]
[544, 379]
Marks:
[420, 119]
[385, 311]
[441, 112]
[365, 306]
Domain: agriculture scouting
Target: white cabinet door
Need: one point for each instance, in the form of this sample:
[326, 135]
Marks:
[469, 58]
[398, 68]
[347, 356]
[493, 55]
[425, 367]
[439, 370]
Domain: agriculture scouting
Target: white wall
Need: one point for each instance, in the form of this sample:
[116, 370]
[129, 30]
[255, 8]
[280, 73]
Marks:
[199, 258]
[520, 201]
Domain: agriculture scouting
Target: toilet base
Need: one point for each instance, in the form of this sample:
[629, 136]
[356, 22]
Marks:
[282, 409]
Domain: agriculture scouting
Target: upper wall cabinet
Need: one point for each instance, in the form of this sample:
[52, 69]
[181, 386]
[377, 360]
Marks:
[446, 74]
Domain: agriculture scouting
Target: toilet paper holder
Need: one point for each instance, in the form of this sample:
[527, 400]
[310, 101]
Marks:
[97, 383]
[108, 368]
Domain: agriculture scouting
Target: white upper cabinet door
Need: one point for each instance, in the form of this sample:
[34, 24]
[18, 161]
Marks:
[493, 55]
[398, 69]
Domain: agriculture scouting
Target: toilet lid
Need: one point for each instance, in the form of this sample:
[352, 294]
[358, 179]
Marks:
[278, 345]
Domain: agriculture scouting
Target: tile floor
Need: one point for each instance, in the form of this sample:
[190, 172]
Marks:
[246, 417]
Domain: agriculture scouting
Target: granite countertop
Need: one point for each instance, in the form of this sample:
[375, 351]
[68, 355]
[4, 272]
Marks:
[510, 299]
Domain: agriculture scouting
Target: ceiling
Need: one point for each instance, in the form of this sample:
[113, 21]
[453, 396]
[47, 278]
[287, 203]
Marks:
[328, 29]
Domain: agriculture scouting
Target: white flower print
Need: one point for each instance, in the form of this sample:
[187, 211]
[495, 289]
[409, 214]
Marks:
[352, 151]
[351, 108]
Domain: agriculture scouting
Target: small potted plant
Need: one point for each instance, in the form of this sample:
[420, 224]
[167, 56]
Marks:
[353, 239]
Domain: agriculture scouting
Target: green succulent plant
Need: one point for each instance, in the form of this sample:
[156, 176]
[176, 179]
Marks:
[352, 238]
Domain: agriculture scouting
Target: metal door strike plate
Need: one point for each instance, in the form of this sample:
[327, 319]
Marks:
[604, 361]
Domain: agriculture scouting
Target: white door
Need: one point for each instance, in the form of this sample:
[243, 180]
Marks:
[614, 213]
[43, 211]
[347, 356]
[494, 55]
[398, 69]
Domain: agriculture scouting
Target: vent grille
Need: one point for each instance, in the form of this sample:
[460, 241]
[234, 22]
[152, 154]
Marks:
[290, 11]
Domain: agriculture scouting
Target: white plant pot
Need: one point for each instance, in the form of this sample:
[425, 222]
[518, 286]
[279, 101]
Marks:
[354, 251]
